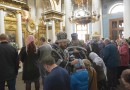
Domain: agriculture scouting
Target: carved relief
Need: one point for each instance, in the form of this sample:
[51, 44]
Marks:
[47, 5]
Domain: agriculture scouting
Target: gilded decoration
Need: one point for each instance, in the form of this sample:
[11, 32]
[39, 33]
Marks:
[41, 30]
[2, 8]
[53, 15]
[31, 26]
[10, 21]
[15, 3]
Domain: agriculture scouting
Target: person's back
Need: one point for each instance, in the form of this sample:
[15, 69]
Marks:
[92, 75]
[111, 55]
[79, 79]
[44, 50]
[58, 79]
[8, 59]
[8, 63]
[111, 59]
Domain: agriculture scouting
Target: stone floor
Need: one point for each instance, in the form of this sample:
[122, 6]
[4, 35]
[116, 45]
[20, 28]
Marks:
[20, 84]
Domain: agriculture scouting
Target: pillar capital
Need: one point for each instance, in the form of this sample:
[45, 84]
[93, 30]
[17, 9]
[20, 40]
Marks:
[19, 12]
[2, 8]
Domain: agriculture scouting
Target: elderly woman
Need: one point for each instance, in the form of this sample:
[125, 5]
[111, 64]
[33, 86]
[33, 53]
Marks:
[92, 75]
[100, 68]
[124, 55]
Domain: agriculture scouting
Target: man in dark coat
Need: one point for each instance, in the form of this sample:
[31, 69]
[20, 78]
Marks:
[8, 63]
[111, 59]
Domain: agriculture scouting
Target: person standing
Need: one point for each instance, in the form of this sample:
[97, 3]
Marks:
[8, 63]
[29, 57]
[79, 79]
[100, 68]
[124, 56]
[92, 84]
[58, 78]
[44, 50]
[111, 60]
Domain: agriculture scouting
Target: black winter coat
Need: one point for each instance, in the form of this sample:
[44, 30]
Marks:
[8, 62]
[30, 65]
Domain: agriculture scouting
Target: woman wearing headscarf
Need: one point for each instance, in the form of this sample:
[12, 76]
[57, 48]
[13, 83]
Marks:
[100, 68]
[92, 84]
[29, 57]
[124, 56]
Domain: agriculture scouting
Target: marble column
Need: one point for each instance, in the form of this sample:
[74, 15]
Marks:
[19, 29]
[126, 18]
[61, 26]
[2, 25]
[47, 37]
[96, 26]
[53, 31]
[68, 14]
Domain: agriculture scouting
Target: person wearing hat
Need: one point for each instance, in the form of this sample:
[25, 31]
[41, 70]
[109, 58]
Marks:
[79, 79]
[60, 48]
[75, 41]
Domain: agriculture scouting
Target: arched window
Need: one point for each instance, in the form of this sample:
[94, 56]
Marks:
[116, 8]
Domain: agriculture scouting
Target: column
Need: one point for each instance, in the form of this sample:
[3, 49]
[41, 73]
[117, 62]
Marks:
[19, 29]
[47, 37]
[2, 26]
[68, 13]
[126, 18]
[96, 26]
[53, 31]
[61, 26]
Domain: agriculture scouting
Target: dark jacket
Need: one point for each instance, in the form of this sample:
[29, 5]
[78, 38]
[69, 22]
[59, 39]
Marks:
[30, 65]
[8, 61]
[58, 79]
[111, 56]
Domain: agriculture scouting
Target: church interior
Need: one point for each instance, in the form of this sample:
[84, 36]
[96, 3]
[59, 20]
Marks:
[89, 18]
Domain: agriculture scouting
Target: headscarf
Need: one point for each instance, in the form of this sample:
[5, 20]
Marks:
[30, 39]
[97, 60]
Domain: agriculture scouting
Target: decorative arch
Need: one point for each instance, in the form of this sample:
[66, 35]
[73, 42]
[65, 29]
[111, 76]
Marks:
[116, 8]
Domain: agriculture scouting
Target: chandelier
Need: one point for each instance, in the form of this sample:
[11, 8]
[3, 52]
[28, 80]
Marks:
[83, 15]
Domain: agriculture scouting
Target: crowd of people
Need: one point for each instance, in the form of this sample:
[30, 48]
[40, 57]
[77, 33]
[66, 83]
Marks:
[66, 64]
